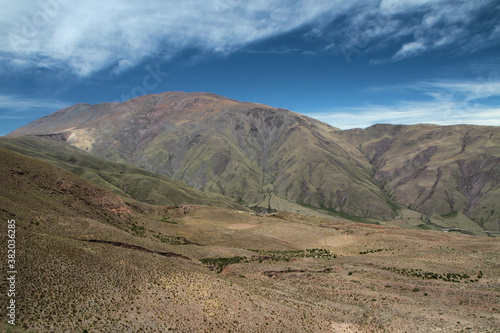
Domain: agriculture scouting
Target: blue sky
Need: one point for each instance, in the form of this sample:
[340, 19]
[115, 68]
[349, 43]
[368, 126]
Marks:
[348, 63]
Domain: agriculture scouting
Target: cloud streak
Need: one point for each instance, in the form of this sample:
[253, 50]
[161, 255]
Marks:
[26, 108]
[454, 102]
[409, 114]
[92, 35]
[117, 35]
[469, 91]
[417, 27]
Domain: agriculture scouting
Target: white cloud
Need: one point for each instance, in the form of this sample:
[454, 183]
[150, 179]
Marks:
[409, 49]
[454, 102]
[410, 114]
[88, 36]
[23, 108]
[417, 26]
[92, 35]
[397, 5]
[464, 92]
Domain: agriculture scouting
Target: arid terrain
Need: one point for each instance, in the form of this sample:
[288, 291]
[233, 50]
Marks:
[272, 159]
[92, 261]
[231, 166]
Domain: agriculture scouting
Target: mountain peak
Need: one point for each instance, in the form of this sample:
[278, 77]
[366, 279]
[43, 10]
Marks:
[271, 158]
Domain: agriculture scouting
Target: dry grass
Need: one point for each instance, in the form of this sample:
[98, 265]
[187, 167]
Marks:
[72, 285]
[125, 281]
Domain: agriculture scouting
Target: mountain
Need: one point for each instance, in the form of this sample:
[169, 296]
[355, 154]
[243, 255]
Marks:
[89, 260]
[262, 156]
[122, 179]
[452, 171]
[270, 158]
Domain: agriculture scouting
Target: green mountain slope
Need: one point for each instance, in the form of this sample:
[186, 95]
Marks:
[119, 178]
[262, 156]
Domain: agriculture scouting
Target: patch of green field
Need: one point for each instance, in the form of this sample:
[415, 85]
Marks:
[375, 251]
[425, 275]
[218, 264]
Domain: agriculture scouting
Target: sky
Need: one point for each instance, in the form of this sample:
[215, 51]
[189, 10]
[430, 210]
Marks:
[348, 63]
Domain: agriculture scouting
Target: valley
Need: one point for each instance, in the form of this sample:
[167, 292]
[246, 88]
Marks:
[101, 263]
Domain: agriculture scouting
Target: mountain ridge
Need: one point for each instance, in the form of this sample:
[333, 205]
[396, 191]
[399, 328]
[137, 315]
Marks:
[467, 157]
[271, 158]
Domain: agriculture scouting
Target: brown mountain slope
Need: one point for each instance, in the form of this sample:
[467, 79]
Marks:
[262, 156]
[449, 171]
[89, 261]
[36, 192]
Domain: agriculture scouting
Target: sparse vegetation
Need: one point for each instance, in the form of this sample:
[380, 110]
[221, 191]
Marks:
[375, 251]
[287, 255]
[424, 227]
[172, 240]
[218, 264]
[450, 215]
[418, 273]
[167, 220]
[137, 230]
[101, 263]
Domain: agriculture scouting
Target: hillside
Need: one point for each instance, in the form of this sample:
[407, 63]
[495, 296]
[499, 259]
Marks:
[119, 178]
[92, 261]
[274, 159]
[452, 172]
[262, 156]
